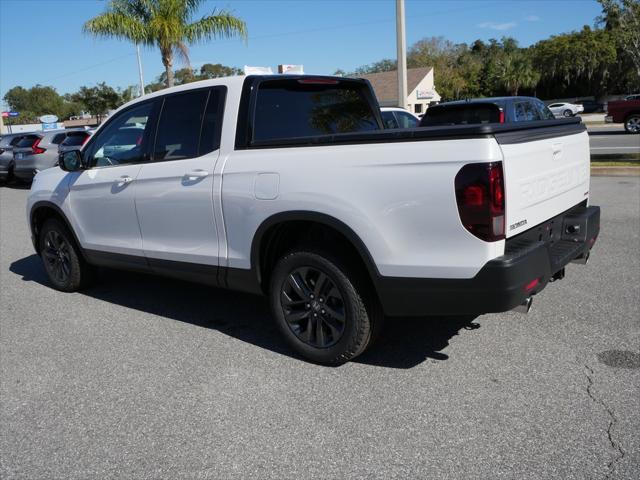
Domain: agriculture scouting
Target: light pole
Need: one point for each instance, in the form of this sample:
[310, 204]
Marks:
[401, 43]
[140, 70]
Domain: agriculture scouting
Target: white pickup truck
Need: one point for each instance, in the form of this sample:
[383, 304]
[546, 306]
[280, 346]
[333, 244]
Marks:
[289, 186]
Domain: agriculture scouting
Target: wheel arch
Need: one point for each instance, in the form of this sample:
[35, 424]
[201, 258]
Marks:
[301, 221]
[40, 212]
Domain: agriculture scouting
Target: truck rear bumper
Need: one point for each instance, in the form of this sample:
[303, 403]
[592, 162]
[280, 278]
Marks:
[531, 260]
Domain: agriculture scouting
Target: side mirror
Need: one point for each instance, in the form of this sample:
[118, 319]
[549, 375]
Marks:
[71, 161]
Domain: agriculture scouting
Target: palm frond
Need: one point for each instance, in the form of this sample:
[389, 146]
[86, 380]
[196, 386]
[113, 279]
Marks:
[220, 24]
[118, 25]
[181, 51]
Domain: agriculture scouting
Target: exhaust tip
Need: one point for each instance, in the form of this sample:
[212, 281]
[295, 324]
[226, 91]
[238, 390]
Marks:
[524, 307]
[582, 259]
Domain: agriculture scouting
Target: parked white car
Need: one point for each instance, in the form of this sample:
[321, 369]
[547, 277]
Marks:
[564, 109]
[396, 117]
[289, 186]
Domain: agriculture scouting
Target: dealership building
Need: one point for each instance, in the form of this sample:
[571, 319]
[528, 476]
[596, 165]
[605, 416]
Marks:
[420, 87]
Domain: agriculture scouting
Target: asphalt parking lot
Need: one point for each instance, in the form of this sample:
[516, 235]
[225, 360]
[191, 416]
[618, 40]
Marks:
[140, 377]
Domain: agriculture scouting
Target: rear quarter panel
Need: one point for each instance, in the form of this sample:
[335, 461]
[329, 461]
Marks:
[399, 198]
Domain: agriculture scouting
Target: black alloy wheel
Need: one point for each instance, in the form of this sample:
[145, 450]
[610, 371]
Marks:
[57, 256]
[63, 262]
[313, 307]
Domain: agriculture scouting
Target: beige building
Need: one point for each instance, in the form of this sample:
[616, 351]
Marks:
[420, 86]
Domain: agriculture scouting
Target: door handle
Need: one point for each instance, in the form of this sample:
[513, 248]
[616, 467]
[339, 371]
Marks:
[196, 174]
[124, 179]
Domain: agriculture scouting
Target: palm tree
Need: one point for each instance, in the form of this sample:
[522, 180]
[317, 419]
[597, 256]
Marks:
[516, 71]
[165, 23]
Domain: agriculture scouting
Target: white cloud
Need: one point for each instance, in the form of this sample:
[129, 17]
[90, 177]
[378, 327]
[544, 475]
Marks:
[497, 26]
[532, 18]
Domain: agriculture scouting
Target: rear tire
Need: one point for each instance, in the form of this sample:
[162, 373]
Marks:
[65, 267]
[567, 113]
[319, 306]
[632, 124]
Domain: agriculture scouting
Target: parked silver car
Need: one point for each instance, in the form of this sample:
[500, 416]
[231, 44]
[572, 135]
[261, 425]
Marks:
[7, 142]
[37, 151]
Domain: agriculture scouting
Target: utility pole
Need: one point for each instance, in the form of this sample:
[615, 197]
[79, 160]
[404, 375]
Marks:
[401, 43]
[140, 70]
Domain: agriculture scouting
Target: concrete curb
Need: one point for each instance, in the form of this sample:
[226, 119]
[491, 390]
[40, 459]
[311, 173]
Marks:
[615, 171]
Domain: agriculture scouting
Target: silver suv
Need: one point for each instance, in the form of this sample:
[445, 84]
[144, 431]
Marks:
[37, 151]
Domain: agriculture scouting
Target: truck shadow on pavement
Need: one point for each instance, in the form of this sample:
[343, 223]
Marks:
[404, 343]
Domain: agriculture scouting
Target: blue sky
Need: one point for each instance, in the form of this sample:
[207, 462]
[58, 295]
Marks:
[41, 40]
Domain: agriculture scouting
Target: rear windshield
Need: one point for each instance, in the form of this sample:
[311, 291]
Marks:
[461, 114]
[26, 141]
[291, 108]
[74, 139]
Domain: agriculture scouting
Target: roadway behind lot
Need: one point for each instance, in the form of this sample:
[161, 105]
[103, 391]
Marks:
[140, 377]
[612, 140]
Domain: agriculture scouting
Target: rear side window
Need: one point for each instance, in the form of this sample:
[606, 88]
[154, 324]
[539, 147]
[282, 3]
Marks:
[15, 141]
[179, 126]
[406, 120]
[59, 138]
[74, 139]
[304, 108]
[26, 141]
[545, 113]
[526, 112]
[212, 123]
[389, 120]
[465, 114]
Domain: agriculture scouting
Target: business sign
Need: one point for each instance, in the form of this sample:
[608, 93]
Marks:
[48, 119]
[49, 126]
[291, 69]
[425, 94]
[257, 70]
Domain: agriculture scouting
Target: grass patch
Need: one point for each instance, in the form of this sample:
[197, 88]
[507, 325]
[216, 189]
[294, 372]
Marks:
[616, 157]
[615, 164]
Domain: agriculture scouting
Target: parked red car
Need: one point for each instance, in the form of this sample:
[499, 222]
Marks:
[625, 111]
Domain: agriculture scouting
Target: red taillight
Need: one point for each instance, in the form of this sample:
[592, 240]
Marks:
[85, 140]
[35, 148]
[501, 116]
[481, 200]
[531, 285]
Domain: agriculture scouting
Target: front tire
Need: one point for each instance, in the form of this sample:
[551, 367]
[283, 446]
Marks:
[318, 304]
[632, 124]
[65, 267]
[567, 113]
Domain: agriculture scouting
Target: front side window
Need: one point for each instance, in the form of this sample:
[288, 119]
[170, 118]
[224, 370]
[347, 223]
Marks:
[306, 108]
[406, 120]
[121, 141]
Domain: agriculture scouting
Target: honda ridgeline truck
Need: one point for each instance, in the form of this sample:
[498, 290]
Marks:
[290, 186]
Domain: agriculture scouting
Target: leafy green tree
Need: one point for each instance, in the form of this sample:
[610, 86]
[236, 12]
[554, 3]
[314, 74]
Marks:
[515, 71]
[210, 70]
[166, 24]
[621, 18]
[97, 100]
[384, 65]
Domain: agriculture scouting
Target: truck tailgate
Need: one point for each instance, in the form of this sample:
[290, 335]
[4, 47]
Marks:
[543, 177]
